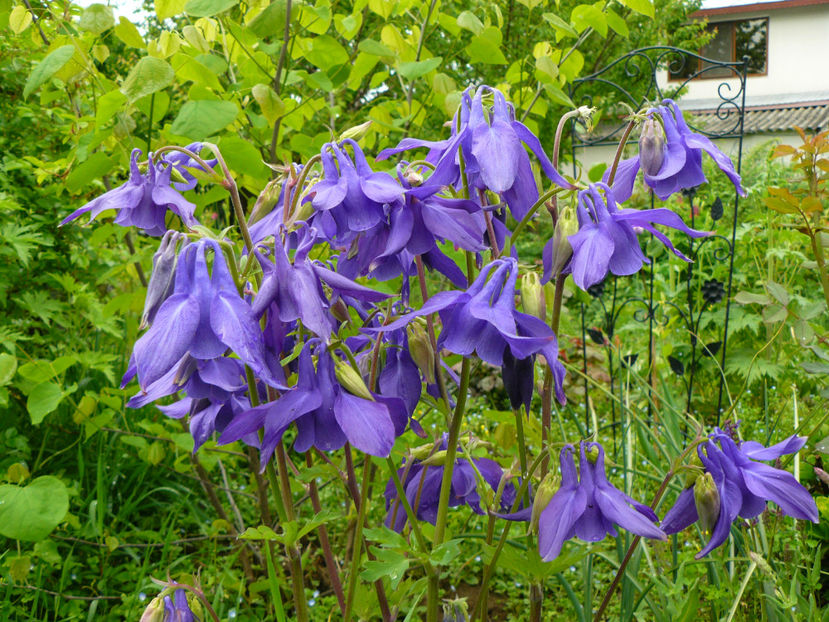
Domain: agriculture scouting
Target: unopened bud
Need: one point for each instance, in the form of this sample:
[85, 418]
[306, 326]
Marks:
[351, 380]
[694, 471]
[707, 500]
[822, 475]
[455, 610]
[532, 296]
[762, 564]
[154, 611]
[421, 351]
[266, 200]
[592, 454]
[422, 452]
[436, 459]
[161, 280]
[566, 225]
[546, 489]
[651, 147]
[339, 310]
[413, 177]
[356, 132]
[302, 212]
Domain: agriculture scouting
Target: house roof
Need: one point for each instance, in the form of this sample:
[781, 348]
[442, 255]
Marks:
[711, 8]
[812, 116]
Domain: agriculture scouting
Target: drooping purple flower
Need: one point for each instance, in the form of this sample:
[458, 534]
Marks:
[590, 507]
[143, 201]
[416, 226]
[495, 159]
[296, 288]
[422, 486]
[607, 237]
[325, 413]
[670, 156]
[204, 317]
[483, 319]
[176, 609]
[743, 487]
[350, 198]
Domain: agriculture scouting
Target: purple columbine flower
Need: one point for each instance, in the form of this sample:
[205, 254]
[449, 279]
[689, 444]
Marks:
[670, 156]
[326, 414]
[490, 140]
[743, 486]
[607, 237]
[350, 199]
[590, 508]
[143, 201]
[204, 317]
[483, 320]
[422, 486]
[296, 289]
[176, 609]
[416, 226]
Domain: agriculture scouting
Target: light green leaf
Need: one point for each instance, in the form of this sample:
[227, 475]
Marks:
[96, 18]
[202, 118]
[645, 7]
[108, 105]
[148, 76]
[208, 8]
[19, 19]
[586, 16]
[31, 512]
[95, 167]
[375, 48]
[44, 369]
[747, 298]
[242, 157]
[165, 9]
[416, 69]
[618, 24]
[486, 48]
[558, 96]
[48, 67]
[326, 52]
[43, 399]
[128, 33]
[546, 69]
[779, 292]
[270, 103]
[271, 21]
[469, 21]
[8, 365]
[563, 29]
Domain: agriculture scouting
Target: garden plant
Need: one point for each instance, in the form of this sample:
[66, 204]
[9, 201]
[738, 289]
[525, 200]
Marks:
[314, 353]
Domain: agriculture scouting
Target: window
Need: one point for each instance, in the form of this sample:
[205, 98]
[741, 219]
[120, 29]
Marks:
[732, 41]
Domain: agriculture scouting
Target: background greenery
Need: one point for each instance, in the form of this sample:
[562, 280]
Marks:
[270, 83]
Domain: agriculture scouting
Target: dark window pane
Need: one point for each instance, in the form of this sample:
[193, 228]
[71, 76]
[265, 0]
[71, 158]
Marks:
[751, 41]
[720, 48]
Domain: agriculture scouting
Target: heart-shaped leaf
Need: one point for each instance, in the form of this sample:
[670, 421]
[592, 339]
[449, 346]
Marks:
[31, 512]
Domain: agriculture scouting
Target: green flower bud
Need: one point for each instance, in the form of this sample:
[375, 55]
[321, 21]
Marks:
[651, 147]
[455, 610]
[707, 500]
[532, 296]
[436, 459]
[566, 225]
[420, 348]
[692, 474]
[154, 611]
[356, 132]
[592, 454]
[546, 489]
[266, 200]
[351, 380]
[339, 310]
[413, 177]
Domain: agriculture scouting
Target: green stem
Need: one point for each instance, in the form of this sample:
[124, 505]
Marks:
[358, 540]
[547, 390]
[528, 216]
[522, 448]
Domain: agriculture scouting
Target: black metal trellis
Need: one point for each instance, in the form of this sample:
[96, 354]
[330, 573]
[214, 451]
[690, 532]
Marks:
[638, 69]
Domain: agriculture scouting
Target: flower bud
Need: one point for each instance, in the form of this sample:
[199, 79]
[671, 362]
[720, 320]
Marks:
[532, 296]
[266, 200]
[351, 380]
[651, 147]
[161, 280]
[592, 454]
[154, 611]
[707, 500]
[566, 225]
[455, 610]
[546, 489]
[413, 177]
[339, 310]
[436, 459]
[421, 351]
[822, 475]
[356, 132]
[693, 474]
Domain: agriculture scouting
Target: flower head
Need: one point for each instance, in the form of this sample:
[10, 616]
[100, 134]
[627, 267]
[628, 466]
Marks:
[589, 507]
[143, 201]
[742, 486]
[607, 237]
[670, 156]
[483, 319]
[422, 485]
[176, 609]
[492, 142]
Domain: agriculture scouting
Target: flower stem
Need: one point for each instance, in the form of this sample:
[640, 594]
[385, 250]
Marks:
[619, 151]
[358, 540]
[547, 390]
